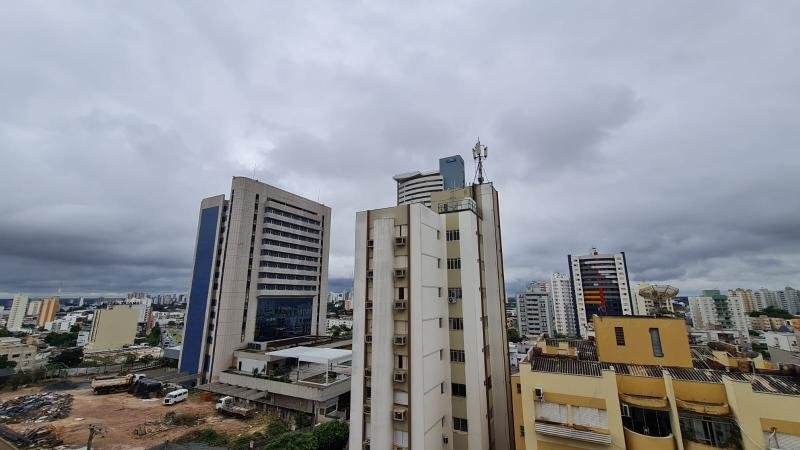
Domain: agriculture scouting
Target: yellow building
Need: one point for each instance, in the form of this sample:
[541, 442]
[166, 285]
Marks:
[639, 387]
[113, 328]
[47, 311]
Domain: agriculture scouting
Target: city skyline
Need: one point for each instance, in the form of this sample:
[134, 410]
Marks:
[637, 140]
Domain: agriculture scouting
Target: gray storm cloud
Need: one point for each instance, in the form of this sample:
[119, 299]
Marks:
[669, 132]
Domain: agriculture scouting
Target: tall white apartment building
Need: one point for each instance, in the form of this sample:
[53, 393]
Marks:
[746, 296]
[260, 273]
[534, 311]
[766, 298]
[34, 307]
[714, 311]
[789, 299]
[430, 365]
[16, 315]
[599, 286]
[564, 320]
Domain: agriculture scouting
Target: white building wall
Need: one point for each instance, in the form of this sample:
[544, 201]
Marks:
[563, 305]
[17, 314]
[357, 426]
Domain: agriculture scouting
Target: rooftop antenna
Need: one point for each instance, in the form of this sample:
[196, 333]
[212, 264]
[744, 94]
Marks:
[479, 153]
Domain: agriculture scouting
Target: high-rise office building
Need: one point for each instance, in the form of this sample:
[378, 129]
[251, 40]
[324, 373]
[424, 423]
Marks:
[599, 286]
[564, 322]
[260, 273]
[749, 302]
[416, 187]
[16, 315]
[48, 311]
[430, 365]
[534, 311]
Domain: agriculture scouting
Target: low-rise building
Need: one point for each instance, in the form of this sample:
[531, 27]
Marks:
[765, 323]
[26, 356]
[291, 377]
[783, 340]
[339, 322]
[638, 387]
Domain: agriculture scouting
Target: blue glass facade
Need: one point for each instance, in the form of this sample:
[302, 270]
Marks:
[278, 318]
[452, 170]
[198, 292]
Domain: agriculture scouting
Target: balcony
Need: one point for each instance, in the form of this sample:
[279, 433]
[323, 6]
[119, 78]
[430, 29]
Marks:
[636, 441]
[465, 204]
[567, 432]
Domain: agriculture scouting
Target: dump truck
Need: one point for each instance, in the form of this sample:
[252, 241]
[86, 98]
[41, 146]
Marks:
[107, 385]
[227, 405]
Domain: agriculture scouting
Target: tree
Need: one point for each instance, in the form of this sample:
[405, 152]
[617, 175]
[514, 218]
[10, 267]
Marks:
[6, 364]
[274, 428]
[332, 435]
[71, 357]
[75, 328]
[771, 311]
[4, 332]
[154, 338]
[293, 441]
[62, 339]
[513, 335]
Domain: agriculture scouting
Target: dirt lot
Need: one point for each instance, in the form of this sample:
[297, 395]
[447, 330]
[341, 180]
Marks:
[120, 414]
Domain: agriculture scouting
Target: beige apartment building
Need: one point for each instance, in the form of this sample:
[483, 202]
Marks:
[25, 355]
[48, 310]
[430, 370]
[113, 328]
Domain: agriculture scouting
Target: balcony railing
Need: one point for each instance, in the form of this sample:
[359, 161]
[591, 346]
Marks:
[465, 204]
[568, 432]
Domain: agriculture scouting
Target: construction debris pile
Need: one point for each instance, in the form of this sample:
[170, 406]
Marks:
[36, 408]
[171, 420]
[40, 437]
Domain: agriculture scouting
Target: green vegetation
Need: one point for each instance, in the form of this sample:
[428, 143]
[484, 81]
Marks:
[332, 436]
[4, 332]
[771, 311]
[154, 338]
[275, 436]
[71, 357]
[294, 441]
[513, 335]
[341, 331]
[62, 340]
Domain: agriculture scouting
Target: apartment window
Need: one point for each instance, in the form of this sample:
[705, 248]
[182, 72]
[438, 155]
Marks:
[460, 424]
[454, 293]
[453, 263]
[522, 430]
[519, 388]
[438, 263]
[452, 235]
[456, 323]
[619, 332]
[457, 356]
[440, 322]
[441, 387]
[458, 389]
[439, 292]
[401, 293]
[368, 391]
[441, 354]
[655, 340]
[399, 361]
[438, 235]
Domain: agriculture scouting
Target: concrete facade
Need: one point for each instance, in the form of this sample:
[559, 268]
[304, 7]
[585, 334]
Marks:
[48, 311]
[261, 273]
[16, 314]
[534, 312]
[599, 286]
[565, 322]
[113, 328]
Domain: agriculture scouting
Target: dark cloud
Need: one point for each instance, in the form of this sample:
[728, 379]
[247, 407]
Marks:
[668, 132]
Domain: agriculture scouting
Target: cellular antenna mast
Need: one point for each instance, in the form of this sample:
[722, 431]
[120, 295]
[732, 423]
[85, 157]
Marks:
[479, 153]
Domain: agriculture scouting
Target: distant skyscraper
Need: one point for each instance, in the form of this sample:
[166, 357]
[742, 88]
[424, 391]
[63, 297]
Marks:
[714, 311]
[792, 298]
[260, 273]
[534, 312]
[565, 322]
[17, 313]
[749, 302]
[766, 298]
[416, 187]
[48, 312]
[599, 286]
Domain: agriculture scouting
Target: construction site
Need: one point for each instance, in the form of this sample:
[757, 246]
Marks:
[68, 413]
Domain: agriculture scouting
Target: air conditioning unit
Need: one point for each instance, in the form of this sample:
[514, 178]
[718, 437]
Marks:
[399, 376]
[399, 340]
[400, 305]
[538, 393]
[367, 372]
[370, 243]
[368, 339]
[399, 415]
[452, 300]
[368, 305]
[626, 410]
[399, 273]
[366, 444]
[370, 274]
[367, 409]
[400, 241]
[445, 439]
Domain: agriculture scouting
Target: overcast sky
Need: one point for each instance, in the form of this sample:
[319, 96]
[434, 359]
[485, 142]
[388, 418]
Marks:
[669, 132]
